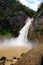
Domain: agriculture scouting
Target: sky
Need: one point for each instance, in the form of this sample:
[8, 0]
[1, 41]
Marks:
[33, 4]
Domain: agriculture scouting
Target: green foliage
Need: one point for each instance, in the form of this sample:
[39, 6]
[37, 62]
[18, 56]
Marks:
[35, 15]
[40, 10]
[9, 8]
[14, 5]
[22, 54]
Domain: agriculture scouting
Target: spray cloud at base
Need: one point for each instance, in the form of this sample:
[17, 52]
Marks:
[21, 40]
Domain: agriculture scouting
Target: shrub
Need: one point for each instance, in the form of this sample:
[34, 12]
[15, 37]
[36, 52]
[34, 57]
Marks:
[22, 54]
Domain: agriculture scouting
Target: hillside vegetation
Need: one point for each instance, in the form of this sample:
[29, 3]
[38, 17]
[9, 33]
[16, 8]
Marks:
[12, 17]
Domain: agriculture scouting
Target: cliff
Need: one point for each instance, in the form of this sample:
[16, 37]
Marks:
[36, 29]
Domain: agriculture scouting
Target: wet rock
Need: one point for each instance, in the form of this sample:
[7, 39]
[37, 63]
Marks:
[14, 57]
[2, 60]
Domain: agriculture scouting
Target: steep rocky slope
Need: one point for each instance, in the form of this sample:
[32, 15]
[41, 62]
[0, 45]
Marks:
[36, 29]
[33, 57]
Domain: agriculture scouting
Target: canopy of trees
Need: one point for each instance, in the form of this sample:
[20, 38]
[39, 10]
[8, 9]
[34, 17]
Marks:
[12, 8]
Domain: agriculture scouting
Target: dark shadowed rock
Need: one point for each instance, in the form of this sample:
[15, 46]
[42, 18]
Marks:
[18, 58]
[33, 57]
[11, 64]
[42, 61]
[16, 23]
[14, 58]
[2, 58]
[19, 20]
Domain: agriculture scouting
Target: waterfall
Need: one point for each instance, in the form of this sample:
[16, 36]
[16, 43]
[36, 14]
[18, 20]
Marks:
[21, 40]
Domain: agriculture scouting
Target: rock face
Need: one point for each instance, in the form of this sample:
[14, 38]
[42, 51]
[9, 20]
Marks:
[38, 22]
[33, 57]
[18, 21]
[36, 29]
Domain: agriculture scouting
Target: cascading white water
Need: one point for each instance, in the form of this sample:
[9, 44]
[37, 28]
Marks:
[22, 38]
